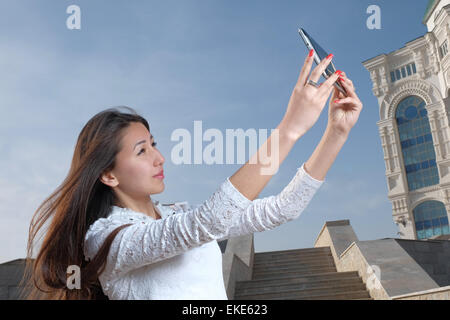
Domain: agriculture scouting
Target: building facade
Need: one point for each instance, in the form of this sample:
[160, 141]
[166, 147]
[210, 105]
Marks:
[412, 85]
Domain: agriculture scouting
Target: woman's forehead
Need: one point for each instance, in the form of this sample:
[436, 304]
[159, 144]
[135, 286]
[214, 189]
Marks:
[136, 133]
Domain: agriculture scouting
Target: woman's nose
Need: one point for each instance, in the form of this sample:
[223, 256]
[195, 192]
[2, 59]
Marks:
[160, 159]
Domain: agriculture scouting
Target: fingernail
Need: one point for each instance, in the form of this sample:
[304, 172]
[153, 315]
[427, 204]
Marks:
[336, 101]
[330, 56]
[311, 52]
[339, 72]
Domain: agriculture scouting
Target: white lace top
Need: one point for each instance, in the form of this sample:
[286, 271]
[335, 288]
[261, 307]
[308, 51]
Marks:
[177, 256]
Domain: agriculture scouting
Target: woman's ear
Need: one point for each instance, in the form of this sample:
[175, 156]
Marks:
[109, 179]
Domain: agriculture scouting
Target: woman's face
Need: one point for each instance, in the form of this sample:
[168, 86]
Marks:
[137, 163]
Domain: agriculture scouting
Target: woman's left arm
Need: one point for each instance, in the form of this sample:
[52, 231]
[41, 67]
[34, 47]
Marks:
[270, 212]
[343, 114]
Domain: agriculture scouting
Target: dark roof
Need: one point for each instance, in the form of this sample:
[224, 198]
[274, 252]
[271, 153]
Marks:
[14, 262]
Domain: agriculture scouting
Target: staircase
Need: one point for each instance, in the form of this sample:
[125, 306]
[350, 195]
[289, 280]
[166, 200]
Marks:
[301, 274]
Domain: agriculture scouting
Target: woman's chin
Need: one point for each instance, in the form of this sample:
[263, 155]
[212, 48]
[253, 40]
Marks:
[158, 189]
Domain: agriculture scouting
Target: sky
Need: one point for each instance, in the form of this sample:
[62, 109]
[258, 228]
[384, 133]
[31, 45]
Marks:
[230, 64]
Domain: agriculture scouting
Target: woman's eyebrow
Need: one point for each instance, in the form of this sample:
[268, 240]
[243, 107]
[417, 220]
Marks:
[142, 141]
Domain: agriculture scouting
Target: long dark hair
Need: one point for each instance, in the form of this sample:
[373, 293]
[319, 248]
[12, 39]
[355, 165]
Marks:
[78, 202]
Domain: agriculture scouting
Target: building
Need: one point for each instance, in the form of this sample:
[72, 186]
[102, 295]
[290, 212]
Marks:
[412, 85]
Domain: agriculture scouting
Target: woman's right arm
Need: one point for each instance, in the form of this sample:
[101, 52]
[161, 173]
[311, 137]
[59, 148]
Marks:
[270, 212]
[304, 108]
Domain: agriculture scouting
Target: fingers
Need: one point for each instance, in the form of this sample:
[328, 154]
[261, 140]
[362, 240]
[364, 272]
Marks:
[344, 75]
[317, 72]
[335, 95]
[327, 86]
[303, 77]
[340, 94]
[345, 100]
[348, 86]
[350, 100]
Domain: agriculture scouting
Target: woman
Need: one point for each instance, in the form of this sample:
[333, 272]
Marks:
[128, 247]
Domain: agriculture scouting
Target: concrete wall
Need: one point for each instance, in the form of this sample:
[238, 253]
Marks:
[432, 255]
[237, 262]
[396, 271]
[338, 235]
[385, 265]
[442, 293]
[353, 260]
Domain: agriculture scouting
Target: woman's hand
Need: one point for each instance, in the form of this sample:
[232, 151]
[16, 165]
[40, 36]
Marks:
[307, 101]
[343, 112]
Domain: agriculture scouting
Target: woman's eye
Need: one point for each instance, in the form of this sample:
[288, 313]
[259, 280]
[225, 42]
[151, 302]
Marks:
[143, 149]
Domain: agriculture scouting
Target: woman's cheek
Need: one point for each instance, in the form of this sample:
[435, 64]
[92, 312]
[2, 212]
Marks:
[142, 172]
[131, 174]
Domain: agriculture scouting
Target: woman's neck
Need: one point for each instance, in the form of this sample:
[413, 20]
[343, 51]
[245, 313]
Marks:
[148, 208]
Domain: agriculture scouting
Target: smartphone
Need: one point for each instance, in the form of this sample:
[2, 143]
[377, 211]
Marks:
[319, 55]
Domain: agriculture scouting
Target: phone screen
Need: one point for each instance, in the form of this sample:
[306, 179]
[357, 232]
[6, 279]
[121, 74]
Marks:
[322, 54]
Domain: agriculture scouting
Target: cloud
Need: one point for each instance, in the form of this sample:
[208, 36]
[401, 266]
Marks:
[351, 198]
[31, 168]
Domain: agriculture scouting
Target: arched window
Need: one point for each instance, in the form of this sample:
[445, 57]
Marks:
[416, 143]
[431, 219]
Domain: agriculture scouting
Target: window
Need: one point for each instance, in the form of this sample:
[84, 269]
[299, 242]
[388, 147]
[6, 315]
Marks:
[443, 50]
[416, 143]
[403, 72]
[431, 219]
[408, 68]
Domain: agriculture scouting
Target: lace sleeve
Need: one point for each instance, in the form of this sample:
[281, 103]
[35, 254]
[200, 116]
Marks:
[225, 214]
[148, 241]
[270, 212]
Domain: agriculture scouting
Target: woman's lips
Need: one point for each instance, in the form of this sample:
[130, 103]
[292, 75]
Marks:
[159, 175]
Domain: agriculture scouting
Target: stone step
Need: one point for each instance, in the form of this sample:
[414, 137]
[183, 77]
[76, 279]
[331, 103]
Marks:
[353, 284]
[265, 260]
[293, 267]
[274, 266]
[329, 276]
[303, 250]
[356, 295]
[300, 281]
[275, 275]
[286, 256]
[303, 294]
[293, 271]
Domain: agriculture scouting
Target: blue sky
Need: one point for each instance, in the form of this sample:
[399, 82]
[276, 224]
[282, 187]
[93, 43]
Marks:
[230, 64]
